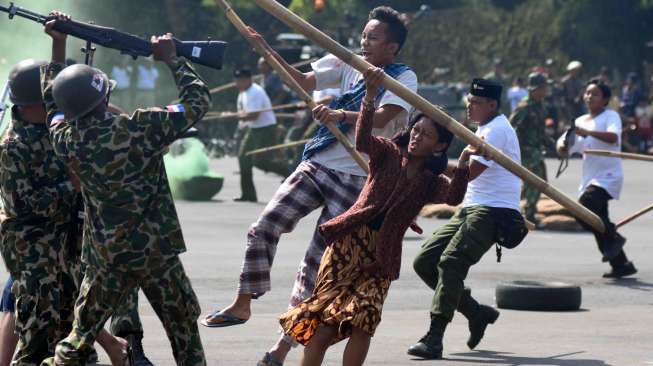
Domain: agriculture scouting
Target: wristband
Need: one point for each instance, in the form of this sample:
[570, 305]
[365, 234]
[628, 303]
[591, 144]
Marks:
[344, 115]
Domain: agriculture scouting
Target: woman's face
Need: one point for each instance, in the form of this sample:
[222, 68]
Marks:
[594, 99]
[424, 139]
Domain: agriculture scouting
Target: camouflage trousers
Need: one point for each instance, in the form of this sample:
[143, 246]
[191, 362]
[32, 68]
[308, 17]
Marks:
[44, 312]
[168, 290]
[530, 193]
[45, 299]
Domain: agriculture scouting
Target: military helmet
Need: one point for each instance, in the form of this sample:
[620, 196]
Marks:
[536, 80]
[25, 83]
[78, 89]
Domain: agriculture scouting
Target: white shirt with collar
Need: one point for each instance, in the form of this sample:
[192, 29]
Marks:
[496, 186]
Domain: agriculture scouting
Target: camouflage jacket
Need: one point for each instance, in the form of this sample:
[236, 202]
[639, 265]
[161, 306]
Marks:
[130, 217]
[38, 199]
[528, 121]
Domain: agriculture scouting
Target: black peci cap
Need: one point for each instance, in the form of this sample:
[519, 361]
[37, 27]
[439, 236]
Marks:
[486, 88]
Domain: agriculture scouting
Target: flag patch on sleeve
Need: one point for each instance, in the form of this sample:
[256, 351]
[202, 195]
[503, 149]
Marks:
[175, 108]
[57, 119]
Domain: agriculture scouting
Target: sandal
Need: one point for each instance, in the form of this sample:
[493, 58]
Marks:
[269, 360]
[227, 320]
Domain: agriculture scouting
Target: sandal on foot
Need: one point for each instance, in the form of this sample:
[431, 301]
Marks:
[269, 360]
[227, 320]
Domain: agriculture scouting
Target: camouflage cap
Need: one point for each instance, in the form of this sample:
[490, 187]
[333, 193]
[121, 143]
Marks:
[536, 80]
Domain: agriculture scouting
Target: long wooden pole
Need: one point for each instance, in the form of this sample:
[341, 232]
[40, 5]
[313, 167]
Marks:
[229, 115]
[634, 216]
[292, 83]
[312, 33]
[621, 155]
[256, 77]
[277, 147]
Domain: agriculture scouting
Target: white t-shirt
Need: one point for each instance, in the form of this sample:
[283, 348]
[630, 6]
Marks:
[253, 99]
[496, 186]
[331, 72]
[147, 77]
[515, 95]
[601, 171]
[121, 76]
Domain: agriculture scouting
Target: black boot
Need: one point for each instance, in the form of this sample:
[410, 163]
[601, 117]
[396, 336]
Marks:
[485, 316]
[479, 317]
[430, 346]
[135, 342]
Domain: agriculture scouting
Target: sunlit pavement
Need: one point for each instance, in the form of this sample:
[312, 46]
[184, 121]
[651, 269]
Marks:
[614, 327]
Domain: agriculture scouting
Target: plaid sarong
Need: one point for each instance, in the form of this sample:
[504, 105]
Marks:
[306, 189]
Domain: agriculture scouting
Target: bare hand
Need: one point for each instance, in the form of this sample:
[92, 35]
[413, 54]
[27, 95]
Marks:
[373, 78]
[326, 115]
[49, 25]
[255, 37]
[163, 48]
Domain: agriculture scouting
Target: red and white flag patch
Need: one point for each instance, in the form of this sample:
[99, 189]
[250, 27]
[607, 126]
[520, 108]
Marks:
[57, 119]
[175, 108]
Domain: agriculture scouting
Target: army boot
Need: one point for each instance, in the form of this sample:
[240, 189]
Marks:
[479, 317]
[136, 344]
[430, 346]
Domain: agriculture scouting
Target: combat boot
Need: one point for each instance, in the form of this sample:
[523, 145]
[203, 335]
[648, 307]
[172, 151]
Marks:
[430, 346]
[136, 344]
[485, 315]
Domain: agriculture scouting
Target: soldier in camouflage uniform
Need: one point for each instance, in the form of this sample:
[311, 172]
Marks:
[131, 230]
[39, 239]
[528, 121]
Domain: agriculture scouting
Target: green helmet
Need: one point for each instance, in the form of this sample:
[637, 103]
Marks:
[78, 89]
[25, 83]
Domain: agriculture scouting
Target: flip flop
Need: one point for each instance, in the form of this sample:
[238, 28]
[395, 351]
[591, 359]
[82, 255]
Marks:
[227, 320]
[269, 360]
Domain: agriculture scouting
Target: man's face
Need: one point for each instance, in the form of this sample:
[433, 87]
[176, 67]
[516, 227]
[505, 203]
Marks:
[540, 92]
[479, 109]
[375, 46]
[243, 83]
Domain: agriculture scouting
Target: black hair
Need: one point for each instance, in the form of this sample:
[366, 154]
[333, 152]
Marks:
[397, 30]
[243, 72]
[605, 89]
[437, 164]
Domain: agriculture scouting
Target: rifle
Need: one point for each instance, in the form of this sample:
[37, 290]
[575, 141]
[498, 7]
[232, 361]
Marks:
[208, 53]
[568, 139]
[3, 106]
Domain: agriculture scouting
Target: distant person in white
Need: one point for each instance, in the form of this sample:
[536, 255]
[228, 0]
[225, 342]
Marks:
[516, 93]
[146, 81]
[253, 104]
[602, 176]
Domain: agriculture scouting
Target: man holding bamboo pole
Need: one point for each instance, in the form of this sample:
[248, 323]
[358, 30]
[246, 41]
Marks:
[261, 132]
[327, 176]
[602, 176]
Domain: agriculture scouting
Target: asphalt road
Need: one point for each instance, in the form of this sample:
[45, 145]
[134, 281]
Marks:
[614, 327]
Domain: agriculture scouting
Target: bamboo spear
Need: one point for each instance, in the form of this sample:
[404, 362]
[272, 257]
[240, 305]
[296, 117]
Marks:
[312, 33]
[634, 216]
[292, 83]
[277, 147]
[256, 77]
[621, 155]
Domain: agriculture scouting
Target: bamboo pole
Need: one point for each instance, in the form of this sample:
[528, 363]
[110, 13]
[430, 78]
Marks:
[230, 115]
[622, 155]
[277, 147]
[292, 83]
[256, 77]
[312, 33]
[634, 216]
